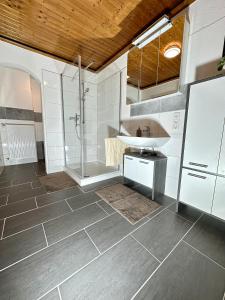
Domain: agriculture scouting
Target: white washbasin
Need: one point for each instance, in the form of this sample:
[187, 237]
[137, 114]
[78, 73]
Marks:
[142, 142]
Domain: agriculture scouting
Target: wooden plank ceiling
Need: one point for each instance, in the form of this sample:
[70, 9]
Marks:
[98, 30]
[154, 67]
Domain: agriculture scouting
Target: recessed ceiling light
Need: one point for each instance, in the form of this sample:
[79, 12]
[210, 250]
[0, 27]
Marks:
[172, 52]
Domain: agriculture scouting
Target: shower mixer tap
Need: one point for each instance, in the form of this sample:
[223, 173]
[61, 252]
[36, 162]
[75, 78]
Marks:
[76, 119]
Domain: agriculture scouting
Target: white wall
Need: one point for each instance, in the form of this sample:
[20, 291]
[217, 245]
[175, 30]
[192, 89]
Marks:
[15, 88]
[207, 32]
[34, 64]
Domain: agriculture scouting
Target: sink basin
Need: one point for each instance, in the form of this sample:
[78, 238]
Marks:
[143, 142]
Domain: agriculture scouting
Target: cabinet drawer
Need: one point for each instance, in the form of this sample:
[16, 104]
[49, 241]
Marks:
[145, 172]
[130, 167]
[218, 208]
[197, 189]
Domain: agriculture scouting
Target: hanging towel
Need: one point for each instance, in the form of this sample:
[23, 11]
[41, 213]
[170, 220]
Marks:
[114, 150]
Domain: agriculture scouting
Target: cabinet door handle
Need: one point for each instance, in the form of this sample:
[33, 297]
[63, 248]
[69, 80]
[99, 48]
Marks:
[198, 176]
[129, 158]
[144, 162]
[198, 165]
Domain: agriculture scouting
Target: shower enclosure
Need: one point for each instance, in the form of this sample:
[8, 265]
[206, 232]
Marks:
[91, 111]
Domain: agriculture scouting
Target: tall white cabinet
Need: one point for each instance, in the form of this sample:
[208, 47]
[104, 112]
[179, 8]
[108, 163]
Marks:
[202, 182]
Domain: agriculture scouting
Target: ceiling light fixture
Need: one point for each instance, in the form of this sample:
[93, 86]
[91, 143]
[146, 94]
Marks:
[154, 31]
[172, 51]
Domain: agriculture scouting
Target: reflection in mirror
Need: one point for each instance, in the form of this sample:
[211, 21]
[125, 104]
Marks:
[154, 70]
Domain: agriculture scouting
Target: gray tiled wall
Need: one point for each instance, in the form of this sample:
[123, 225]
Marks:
[159, 105]
[11, 113]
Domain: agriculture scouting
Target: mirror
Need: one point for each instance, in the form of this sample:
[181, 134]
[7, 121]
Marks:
[151, 72]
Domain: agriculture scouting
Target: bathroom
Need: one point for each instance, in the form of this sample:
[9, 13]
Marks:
[101, 193]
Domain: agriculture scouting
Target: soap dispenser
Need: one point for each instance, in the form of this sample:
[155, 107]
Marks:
[139, 132]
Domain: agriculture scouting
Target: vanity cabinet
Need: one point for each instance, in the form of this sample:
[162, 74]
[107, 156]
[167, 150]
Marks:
[150, 172]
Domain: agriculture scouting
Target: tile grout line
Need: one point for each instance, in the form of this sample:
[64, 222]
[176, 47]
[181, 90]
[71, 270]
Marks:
[24, 258]
[177, 214]
[145, 248]
[203, 254]
[102, 208]
[141, 287]
[45, 234]
[64, 280]
[60, 296]
[7, 200]
[92, 240]
[69, 205]
[35, 200]
[3, 227]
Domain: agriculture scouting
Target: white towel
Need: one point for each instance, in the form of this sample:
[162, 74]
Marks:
[114, 150]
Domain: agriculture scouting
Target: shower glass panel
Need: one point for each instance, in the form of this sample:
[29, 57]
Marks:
[94, 108]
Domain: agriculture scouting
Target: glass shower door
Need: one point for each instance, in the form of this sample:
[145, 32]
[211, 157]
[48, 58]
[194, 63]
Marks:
[72, 123]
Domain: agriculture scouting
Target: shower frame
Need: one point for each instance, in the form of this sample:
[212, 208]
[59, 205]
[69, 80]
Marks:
[81, 179]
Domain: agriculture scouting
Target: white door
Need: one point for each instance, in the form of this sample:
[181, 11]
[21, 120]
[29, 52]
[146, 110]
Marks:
[205, 125]
[130, 167]
[21, 144]
[218, 208]
[145, 171]
[197, 189]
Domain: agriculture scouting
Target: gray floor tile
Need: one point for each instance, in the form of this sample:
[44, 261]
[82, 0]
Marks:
[36, 275]
[4, 184]
[70, 223]
[110, 230]
[17, 207]
[162, 233]
[83, 200]
[106, 207]
[208, 236]
[35, 217]
[13, 190]
[21, 245]
[21, 195]
[3, 200]
[53, 295]
[187, 212]
[57, 196]
[185, 275]
[115, 275]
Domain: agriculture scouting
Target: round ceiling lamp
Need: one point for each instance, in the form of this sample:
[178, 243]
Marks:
[172, 51]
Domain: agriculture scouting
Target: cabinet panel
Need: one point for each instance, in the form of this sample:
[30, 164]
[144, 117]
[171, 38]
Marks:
[205, 122]
[218, 208]
[130, 167]
[197, 189]
[145, 171]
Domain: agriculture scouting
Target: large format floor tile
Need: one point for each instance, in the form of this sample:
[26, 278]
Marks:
[17, 207]
[185, 275]
[208, 236]
[162, 233]
[57, 196]
[106, 207]
[53, 295]
[35, 217]
[41, 272]
[24, 194]
[13, 190]
[3, 200]
[83, 200]
[70, 223]
[110, 230]
[21, 245]
[115, 275]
